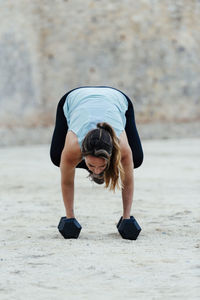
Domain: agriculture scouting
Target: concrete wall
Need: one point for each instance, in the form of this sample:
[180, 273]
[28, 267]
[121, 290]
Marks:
[148, 48]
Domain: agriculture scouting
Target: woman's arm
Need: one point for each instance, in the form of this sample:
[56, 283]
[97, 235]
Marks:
[71, 156]
[128, 182]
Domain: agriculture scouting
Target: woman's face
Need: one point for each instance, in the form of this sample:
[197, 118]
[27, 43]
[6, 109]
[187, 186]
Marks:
[95, 164]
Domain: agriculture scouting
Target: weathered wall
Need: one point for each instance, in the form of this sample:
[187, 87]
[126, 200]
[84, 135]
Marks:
[148, 48]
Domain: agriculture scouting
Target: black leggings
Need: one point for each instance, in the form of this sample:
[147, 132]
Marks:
[61, 128]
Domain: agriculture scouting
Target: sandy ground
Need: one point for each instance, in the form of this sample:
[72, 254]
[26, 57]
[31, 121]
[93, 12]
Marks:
[164, 263]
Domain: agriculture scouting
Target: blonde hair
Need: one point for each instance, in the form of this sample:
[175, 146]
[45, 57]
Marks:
[103, 142]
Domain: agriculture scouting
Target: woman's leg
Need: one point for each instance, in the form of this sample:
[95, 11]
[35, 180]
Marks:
[59, 135]
[132, 135]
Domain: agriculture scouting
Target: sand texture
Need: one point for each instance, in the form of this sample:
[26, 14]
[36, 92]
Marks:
[164, 263]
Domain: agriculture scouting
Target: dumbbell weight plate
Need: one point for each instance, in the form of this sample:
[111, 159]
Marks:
[129, 228]
[69, 228]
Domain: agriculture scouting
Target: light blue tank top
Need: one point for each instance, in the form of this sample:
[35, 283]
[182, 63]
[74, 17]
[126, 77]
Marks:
[87, 106]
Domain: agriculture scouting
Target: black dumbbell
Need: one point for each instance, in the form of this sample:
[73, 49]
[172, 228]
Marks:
[69, 228]
[129, 228]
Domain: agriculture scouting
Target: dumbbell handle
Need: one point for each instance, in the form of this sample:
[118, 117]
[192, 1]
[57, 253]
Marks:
[118, 224]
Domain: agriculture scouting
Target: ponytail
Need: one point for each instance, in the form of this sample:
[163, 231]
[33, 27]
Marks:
[115, 172]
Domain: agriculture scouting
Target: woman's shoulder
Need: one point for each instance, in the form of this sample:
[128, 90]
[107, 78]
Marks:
[72, 148]
[123, 143]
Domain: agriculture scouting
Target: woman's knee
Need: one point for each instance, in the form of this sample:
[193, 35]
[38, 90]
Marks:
[138, 160]
[55, 157]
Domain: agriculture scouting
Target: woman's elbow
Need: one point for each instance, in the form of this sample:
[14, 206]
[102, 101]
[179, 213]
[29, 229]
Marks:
[126, 157]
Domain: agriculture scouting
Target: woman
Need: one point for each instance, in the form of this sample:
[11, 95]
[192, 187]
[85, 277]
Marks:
[95, 130]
